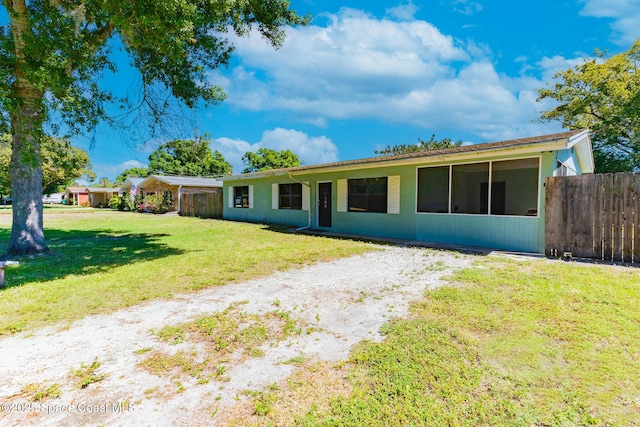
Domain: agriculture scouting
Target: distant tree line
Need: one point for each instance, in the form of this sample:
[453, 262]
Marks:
[422, 145]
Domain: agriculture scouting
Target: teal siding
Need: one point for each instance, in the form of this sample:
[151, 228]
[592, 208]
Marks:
[262, 207]
[507, 233]
[500, 232]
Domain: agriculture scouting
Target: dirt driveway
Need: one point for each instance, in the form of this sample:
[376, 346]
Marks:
[330, 307]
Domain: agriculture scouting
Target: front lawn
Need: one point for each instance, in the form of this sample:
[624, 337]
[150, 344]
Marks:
[102, 261]
[507, 343]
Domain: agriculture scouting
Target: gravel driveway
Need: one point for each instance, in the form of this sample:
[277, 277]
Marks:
[341, 303]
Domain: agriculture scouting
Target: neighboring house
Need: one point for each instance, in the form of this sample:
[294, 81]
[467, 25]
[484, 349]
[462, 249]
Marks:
[99, 197]
[489, 195]
[77, 195]
[173, 187]
[130, 187]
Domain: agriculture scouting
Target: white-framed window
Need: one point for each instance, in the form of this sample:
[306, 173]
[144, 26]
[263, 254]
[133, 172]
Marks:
[294, 196]
[378, 194]
[290, 196]
[241, 196]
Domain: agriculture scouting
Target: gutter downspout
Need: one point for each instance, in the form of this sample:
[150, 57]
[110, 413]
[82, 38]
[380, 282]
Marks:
[308, 226]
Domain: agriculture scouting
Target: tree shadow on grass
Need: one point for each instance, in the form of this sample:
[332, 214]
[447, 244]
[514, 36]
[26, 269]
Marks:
[85, 252]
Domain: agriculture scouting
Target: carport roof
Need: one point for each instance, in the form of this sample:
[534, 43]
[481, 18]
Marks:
[186, 181]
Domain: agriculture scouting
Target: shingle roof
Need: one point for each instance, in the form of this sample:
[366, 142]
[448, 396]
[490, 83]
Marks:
[76, 189]
[513, 143]
[134, 181]
[187, 181]
[103, 190]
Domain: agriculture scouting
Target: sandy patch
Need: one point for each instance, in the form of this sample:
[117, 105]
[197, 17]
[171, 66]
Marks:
[343, 301]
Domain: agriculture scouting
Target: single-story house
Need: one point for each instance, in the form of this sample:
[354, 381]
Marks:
[99, 197]
[173, 187]
[130, 186]
[95, 196]
[489, 195]
[77, 195]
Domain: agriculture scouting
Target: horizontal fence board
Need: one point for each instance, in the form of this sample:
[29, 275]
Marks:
[594, 216]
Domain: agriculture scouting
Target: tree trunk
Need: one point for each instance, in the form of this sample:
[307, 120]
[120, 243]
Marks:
[27, 117]
[27, 234]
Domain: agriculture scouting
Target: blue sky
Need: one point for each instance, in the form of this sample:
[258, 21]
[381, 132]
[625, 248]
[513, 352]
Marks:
[367, 74]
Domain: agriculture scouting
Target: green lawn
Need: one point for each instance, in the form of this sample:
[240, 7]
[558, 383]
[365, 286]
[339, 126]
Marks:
[103, 260]
[507, 343]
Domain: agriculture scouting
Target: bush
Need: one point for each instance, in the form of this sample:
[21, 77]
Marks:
[85, 204]
[120, 203]
[153, 204]
[115, 203]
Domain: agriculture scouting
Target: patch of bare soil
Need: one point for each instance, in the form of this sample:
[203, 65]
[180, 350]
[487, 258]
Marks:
[165, 362]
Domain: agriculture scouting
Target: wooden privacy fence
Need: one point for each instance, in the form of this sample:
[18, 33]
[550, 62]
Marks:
[594, 216]
[202, 205]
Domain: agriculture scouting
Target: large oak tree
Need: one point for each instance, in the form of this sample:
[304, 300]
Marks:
[53, 54]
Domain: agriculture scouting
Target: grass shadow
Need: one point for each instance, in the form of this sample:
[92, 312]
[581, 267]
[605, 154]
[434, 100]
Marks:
[75, 252]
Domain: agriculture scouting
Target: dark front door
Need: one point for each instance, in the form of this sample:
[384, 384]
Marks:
[324, 204]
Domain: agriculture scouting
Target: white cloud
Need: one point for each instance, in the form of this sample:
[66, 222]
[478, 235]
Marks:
[466, 7]
[360, 67]
[405, 11]
[624, 13]
[354, 55]
[551, 66]
[310, 150]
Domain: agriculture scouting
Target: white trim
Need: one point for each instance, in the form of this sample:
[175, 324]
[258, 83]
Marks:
[489, 187]
[540, 185]
[583, 150]
[450, 204]
[231, 196]
[306, 196]
[251, 197]
[393, 194]
[342, 196]
[275, 196]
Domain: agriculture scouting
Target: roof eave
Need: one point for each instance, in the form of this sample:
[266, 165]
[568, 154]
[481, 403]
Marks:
[584, 151]
[539, 147]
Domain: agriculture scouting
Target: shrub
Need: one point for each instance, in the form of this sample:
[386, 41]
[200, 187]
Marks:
[153, 204]
[115, 203]
[119, 202]
[85, 204]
